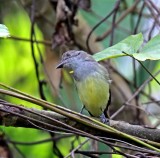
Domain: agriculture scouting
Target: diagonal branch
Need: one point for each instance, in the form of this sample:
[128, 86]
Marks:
[150, 134]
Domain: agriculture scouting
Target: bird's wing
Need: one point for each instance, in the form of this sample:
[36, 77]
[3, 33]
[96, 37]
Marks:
[104, 72]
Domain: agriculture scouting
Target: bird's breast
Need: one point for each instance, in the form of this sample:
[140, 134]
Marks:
[93, 91]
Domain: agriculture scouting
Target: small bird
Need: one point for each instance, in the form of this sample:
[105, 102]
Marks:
[92, 82]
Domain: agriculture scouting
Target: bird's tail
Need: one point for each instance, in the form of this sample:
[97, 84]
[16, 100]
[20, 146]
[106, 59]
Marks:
[106, 111]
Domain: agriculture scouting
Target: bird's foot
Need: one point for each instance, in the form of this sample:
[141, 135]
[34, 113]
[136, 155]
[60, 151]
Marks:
[104, 119]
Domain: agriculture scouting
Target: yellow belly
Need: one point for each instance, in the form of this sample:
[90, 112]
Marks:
[94, 94]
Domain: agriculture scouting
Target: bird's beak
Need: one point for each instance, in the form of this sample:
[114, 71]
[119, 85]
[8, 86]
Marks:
[60, 65]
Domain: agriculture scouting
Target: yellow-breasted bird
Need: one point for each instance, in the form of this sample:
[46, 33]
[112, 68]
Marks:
[91, 79]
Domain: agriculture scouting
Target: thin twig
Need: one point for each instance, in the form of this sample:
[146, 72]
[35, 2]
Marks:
[134, 95]
[134, 62]
[78, 147]
[32, 32]
[39, 142]
[100, 38]
[155, 16]
[113, 22]
[12, 37]
[98, 24]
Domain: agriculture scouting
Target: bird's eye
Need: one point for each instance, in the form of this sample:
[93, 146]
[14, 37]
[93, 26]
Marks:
[68, 55]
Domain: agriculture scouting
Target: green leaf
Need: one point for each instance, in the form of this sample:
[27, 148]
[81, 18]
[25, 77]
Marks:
[4, 31]
[130, 45]
[150, 51]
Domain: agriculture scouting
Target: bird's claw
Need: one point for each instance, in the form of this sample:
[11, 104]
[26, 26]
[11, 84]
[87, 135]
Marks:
[104, 119]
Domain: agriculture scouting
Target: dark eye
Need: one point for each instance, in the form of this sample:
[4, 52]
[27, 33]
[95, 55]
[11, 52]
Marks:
[68, 55]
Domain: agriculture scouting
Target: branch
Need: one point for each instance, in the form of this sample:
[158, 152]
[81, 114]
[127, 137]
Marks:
[127, 11]
[88, 122]
[8, 113]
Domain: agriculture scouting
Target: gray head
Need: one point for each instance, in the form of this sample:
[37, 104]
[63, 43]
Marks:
[73, 59]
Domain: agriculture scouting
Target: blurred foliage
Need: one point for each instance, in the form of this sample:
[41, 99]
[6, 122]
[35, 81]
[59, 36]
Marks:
[29, 135]
[99, 12]
[17, 70]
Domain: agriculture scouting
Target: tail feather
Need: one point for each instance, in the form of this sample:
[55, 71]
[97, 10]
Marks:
[106, 111]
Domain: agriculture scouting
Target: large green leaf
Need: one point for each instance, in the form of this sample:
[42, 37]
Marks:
[150, 51]
[4, 31]
[130, 45]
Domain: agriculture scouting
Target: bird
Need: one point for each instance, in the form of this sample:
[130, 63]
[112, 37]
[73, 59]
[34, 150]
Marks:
[91, 80]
